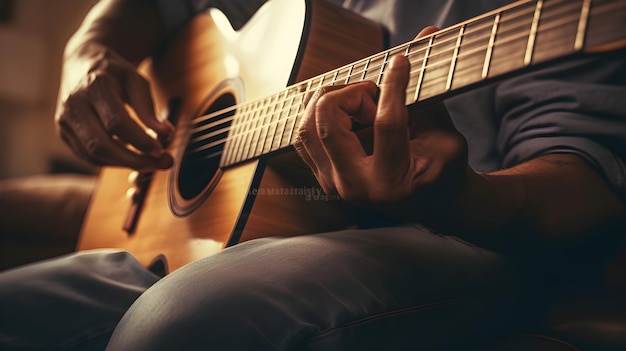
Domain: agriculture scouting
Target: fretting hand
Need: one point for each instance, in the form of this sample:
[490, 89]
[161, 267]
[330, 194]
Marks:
[417, 158]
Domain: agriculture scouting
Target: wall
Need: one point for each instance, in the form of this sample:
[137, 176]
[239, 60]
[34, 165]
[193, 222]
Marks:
[31, 47]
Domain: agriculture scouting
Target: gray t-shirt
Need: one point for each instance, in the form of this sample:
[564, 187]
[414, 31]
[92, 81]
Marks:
[578, 106]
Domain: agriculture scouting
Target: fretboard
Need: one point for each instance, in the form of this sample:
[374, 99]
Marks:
[504, 41]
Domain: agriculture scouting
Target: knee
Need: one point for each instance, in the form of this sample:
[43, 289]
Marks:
[199, 305]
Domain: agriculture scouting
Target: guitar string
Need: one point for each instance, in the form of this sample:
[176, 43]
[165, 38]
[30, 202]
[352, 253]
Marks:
[376, 68]
[465, 44]
[298, 98]
[415, 52]
[430, 82]
[274, 137]
[418, 41]
[263, 104]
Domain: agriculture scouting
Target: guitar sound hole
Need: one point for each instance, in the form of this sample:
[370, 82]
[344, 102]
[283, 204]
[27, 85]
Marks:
[207, 136]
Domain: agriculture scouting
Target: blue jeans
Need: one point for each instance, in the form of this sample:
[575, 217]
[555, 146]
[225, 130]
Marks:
[68, 303]
[391, 288]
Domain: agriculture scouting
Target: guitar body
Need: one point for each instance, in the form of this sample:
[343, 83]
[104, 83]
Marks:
[209, 67]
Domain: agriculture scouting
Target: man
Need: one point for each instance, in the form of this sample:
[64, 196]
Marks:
[552, 182]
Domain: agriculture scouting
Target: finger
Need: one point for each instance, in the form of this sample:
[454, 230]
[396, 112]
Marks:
[109, 107]
[391, 133]
[334, 113]
[427, 31]
[90, 140]
[308, 145]
[140, 98]
[70, 138]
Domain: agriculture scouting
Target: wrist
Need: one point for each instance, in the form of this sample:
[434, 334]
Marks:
[482, 205]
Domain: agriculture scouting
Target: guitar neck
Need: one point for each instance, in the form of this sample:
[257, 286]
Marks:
[508, 40]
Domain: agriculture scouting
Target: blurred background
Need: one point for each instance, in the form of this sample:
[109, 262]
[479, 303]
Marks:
[33, 34]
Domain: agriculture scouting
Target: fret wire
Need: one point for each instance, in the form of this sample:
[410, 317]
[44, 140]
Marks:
[296, 124]
[251, 126]
[255, 125]
[242, 137]
[296, 117]
[263, 132]
[273, 120]
[280, 117]
[349, 74]
[233, 150]
[293, 117]
[321, 81]
[286, 118]
[278, 136]
[294, 121]
[236, 141]
[323, 77]
[382, 66]
[257, 133]
[237, 144]
[255, 130]
[407, 51]
[267, 144]
[533, 33]
[492, 39]
[582, 25]
[334, 80]
[289, 127]
[454, 58]
[418, 88]
[436, 44]
[365, 68]
[473, 51]
[441, 79]
[428, 65]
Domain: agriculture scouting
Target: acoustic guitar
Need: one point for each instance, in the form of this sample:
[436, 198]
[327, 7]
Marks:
[236, 97]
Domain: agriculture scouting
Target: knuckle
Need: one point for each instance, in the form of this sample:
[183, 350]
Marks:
[303, 134]
[113, 124]
[95, 148]
[99, 79]
[70, 110]
[324, 102]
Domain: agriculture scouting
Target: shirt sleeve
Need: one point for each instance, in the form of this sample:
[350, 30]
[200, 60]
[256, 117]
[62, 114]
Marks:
[176, 13]
[575, 107]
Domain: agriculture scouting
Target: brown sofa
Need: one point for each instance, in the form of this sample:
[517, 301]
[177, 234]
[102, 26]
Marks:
[41, 217]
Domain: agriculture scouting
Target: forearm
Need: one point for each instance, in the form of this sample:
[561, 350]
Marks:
[131, 28]
[552, 201]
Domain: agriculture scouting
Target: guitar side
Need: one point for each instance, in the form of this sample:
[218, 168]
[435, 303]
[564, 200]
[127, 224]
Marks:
[205, 62]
